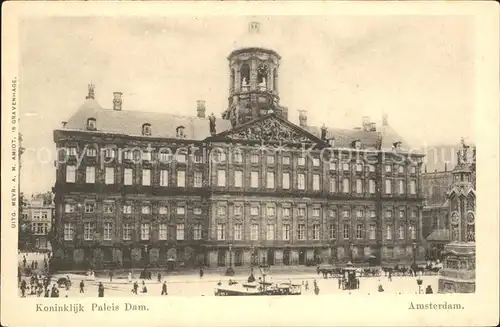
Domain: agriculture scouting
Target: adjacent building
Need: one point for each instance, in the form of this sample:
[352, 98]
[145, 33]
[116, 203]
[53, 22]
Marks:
[38, 211]
[136, 188]
[437, 186]
[459, 270]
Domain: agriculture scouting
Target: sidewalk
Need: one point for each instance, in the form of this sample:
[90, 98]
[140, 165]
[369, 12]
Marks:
[123, 273]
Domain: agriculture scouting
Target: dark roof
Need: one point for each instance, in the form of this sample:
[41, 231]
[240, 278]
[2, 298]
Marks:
[442, 235]
[130, 122]
[253, 49]
[345, 137]
[389, 136]
[163, 125]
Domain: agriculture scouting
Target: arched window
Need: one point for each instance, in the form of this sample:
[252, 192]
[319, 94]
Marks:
[231, 85]
[146, 129]
[262, 75]
[471, 228]
[245, 75]
[455, 231]
[180, 132]
[356, 144]
[91, 124]
[275, 80]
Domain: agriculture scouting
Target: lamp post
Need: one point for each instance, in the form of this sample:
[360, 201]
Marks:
[252, 258]
[414, 252]
[419, 283]
[230, 255]
[146, 256]
[351, 248]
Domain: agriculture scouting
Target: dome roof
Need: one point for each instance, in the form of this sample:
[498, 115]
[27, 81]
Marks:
[254, 37]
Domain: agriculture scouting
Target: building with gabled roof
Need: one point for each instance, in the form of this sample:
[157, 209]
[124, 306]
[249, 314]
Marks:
[136, 188]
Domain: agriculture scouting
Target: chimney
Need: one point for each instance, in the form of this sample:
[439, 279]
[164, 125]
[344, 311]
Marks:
[63, 123]
[91, 92]
[384, 120]
[200, 108]
[366, 123]
[117, 101]
[303, 118]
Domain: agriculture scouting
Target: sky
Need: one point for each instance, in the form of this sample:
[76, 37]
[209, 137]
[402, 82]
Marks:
[419, 70]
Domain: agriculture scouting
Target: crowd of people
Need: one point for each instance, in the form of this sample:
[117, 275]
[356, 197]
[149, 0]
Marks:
[37, 281]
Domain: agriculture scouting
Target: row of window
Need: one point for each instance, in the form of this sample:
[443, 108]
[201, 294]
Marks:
[221, 157]
[40, 228]
[301, 232]
[145, 232]
[39, 215]
[109, 207]
[128, 173]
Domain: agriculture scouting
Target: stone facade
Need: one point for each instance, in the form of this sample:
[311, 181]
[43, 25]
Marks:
[459, 271]
[39, 212]
[252, 188]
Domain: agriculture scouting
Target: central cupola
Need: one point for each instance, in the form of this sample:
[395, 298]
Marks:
[253, 80]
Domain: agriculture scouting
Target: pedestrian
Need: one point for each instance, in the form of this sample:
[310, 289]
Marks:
[135, 287]
[36, 264]
[390, 275]
[24, 261]
[100, 290]
[159, 277]
[428, 290]
[54, 292]
[340, 282]
[201, 272]
[164, 289]
[130, 277]
[111, 275]
[23, 288]
[47, 292]
[307, 285]
[380, 288]
[82, 287]
[144, 288]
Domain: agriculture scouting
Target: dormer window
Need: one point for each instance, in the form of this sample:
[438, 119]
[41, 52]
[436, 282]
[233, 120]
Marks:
[146, 129]
[356, 144]
[180, 132]
[91, 124]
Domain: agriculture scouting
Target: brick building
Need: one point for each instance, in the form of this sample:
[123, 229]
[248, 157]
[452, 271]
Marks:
[240, 190]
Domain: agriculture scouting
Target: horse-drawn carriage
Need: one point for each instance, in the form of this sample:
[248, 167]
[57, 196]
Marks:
[350, 279]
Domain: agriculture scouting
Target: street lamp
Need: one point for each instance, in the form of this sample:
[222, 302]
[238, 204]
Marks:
[419, 283]
[146, 256]
[414, 252]
[230, 255]
[351, 248]
[252, 258]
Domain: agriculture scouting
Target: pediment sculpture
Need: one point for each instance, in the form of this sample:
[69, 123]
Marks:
[269, 130]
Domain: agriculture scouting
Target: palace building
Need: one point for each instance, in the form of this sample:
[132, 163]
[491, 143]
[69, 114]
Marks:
[135, 188]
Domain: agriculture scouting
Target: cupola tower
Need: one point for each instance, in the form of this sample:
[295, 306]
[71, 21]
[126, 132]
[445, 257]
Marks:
[253, 80]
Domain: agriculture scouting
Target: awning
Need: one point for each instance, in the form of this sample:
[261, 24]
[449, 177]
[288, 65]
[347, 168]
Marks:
[439, 235]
